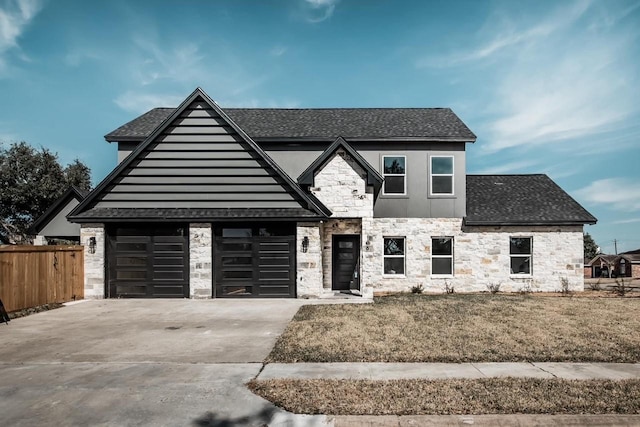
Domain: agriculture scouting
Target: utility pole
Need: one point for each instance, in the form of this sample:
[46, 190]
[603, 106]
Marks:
[615, 245]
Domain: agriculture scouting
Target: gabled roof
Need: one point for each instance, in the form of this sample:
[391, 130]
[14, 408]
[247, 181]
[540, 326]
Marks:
[608, 259]
[633, 256]
[323, 124]
[106, 203]
[44, 219]
[373, 177]
[521, 200]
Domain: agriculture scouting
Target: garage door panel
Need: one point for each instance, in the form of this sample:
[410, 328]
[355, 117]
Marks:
[255, 261]
[148, 262]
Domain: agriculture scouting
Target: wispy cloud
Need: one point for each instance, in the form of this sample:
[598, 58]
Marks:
[278, 51]
[627, 221]
[15, 16]
[179, 62]
[319, 10]
[511, 35]
[622, 194]
[554, 80]
[517, 165]
[140, 102]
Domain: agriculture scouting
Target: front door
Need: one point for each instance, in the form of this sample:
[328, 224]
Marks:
[346, 262]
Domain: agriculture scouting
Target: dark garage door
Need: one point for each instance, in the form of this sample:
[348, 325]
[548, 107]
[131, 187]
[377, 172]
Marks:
[255, 261]
[148, 262]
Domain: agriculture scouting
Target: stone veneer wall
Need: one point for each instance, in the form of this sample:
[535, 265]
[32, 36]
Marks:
[309, 264]
[94, 274]
[200, 261]
[341, 186]
[481, 256]
[331, 227]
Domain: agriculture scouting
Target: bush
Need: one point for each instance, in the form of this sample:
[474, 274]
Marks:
[494, 288]
[417, 289]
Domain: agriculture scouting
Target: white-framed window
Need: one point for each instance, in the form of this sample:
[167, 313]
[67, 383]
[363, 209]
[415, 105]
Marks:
[394, 255]
[442, 256]
[623, 268]
[394, 169]
[520, 250]
[441, 177]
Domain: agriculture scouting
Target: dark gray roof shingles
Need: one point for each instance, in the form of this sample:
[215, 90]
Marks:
[322, 123]
[186, 214]
[521, 200]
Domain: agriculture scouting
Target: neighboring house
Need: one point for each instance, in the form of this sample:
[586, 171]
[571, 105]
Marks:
[627, 264]
[211, 202]
[53, 227]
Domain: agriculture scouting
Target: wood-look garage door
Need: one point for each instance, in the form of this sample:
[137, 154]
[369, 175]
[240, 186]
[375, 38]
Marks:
[255, 261]
[148, 262]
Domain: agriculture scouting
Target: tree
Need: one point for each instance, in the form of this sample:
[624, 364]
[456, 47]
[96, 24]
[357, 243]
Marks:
[31, 180]
[590, 247]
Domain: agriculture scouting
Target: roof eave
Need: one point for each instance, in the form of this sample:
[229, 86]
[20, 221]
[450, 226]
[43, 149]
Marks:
[293, 139]
[526, 223]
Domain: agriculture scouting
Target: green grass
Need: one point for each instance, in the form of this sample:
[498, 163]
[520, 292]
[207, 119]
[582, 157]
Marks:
[460, 396]
[465, 328]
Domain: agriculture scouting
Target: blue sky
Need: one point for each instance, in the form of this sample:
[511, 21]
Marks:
[548, 86]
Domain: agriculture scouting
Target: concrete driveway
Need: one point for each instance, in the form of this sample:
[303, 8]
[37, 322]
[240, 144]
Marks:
[142, 362]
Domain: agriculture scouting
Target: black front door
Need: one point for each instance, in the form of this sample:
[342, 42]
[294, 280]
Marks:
[345, 261]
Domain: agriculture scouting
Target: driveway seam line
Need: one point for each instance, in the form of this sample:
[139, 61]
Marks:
[543, 370]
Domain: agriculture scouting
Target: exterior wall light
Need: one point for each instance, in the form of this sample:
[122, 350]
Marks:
[92, 245]
[305, 244]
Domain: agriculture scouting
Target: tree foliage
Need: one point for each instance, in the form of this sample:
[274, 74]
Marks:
[31, 180]
[590, 247]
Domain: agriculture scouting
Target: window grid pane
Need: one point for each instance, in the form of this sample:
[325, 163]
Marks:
[394, 171]
[520, 250]
[394, 255]
[441, 175]
[442, 256]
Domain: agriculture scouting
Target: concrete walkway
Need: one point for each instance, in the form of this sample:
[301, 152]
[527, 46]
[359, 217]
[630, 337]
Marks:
[391, 371]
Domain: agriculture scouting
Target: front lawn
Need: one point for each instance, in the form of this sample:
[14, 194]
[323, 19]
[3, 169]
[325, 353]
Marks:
[465, 328]
[460, 396]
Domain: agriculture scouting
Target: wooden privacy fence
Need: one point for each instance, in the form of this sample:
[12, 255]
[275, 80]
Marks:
[36, 275]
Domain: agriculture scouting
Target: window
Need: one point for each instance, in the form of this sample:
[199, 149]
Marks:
[520, 252]
[442, 256]
[623, 268]
[394, 171]
[441, 174]
[394, 255]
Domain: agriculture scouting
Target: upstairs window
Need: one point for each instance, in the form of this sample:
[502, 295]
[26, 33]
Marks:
[393, 255]
[394, 171]
[520, 254]
[441, 175]
[442, 256]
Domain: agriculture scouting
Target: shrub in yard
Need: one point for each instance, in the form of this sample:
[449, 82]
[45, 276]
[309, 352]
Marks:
[417, 289]
[595, 286]
[620, 288]
[565, 288]
[448, 288]
[525, 289]
[494, 288]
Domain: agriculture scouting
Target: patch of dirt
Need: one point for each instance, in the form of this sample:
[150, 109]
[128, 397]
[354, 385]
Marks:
[32, 310]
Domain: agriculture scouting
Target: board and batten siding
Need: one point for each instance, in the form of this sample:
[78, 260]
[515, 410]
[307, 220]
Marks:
[199, 161]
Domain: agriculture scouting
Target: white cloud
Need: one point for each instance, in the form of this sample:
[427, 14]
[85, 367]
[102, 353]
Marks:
[278, 51]
[622, 194]
[179, 63]
[15, 16]
[320, 10]
[518, 166]
[140, 102]
[627, 221]
[556, 80]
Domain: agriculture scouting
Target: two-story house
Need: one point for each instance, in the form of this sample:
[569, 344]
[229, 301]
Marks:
[211, 202]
